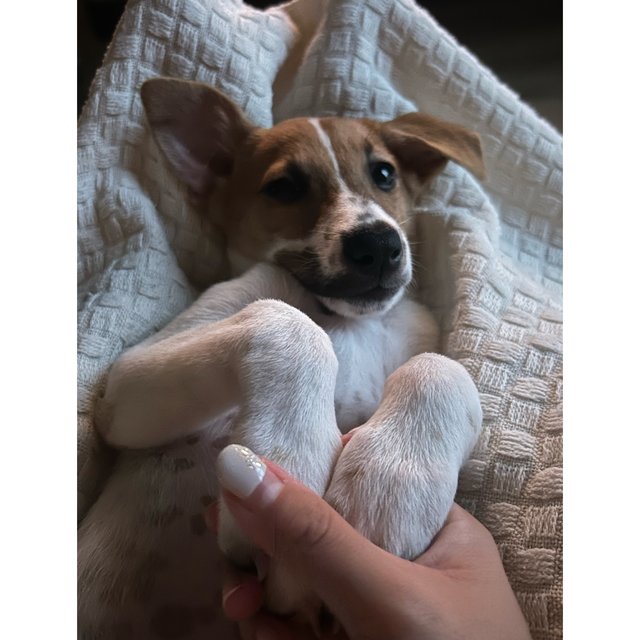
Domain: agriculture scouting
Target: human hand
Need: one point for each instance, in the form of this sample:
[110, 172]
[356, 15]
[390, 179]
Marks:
[456, 589]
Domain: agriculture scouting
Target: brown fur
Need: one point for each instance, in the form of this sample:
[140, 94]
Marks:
[253, 223]
[225, 145]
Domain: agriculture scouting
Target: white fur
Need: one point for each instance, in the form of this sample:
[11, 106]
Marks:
[259, 345]
[396, 478]
[326, 143]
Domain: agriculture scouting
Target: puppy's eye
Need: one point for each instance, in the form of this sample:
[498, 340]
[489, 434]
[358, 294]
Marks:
[286, 189]
[383, 175]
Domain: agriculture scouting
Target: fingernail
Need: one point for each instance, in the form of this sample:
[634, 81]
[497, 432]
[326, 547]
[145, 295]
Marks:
[252, 483]
[240, 471]
[251, 487]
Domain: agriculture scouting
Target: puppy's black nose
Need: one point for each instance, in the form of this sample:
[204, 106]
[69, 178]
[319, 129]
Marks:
[373, 251]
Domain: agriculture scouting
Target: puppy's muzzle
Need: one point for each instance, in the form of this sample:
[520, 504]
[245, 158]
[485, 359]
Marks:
[374, 253]
[375, 266]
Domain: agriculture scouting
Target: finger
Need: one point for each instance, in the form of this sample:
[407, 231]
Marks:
[284, 518]
[462, 543]
[243, 600]
[241, 593]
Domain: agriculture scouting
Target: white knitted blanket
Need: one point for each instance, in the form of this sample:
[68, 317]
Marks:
[491, 253]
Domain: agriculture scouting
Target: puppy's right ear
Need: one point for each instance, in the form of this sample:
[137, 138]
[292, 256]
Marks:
[197, 128]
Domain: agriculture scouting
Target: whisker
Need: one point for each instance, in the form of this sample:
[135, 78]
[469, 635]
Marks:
[417, 264]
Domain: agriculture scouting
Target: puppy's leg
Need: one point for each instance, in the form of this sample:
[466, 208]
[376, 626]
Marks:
[159, 392]
[184, 377]
[269, 359]
[287, 373]
[272, 362]
[396, 478]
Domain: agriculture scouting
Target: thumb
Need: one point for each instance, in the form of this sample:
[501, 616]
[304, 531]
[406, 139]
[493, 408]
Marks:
[287, 520]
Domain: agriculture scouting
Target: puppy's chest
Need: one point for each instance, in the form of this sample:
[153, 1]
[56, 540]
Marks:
[369, 350]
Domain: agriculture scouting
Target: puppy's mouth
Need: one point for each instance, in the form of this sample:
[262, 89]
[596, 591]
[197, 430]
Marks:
[375, 294]
[366, 293]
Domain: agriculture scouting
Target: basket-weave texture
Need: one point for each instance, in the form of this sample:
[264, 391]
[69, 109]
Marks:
[490, 255]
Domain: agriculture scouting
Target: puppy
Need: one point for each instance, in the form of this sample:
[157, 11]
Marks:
[316, 334]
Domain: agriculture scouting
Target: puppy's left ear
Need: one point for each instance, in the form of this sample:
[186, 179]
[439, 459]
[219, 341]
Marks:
[423, 145]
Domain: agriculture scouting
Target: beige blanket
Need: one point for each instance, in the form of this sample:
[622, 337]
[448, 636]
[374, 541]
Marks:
[490, 254]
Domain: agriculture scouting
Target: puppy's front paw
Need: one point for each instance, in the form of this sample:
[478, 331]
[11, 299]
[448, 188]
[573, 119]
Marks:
[397, 476]
[397, 502]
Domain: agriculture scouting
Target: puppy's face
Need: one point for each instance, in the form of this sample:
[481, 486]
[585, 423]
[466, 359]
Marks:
[328, 199]
[324, 199]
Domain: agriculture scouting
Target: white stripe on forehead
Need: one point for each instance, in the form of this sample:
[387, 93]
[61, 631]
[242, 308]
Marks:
[374, 209]
[326, 143]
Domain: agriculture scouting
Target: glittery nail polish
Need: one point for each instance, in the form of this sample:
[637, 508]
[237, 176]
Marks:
[240, 471]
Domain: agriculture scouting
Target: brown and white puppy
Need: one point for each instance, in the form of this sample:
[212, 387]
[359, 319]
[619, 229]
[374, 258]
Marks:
[315, 335]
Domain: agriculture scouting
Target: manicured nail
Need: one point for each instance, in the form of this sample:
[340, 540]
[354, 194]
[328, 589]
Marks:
[240, 471]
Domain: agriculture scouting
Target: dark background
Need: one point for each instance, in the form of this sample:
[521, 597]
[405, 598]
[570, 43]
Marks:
[521, 42]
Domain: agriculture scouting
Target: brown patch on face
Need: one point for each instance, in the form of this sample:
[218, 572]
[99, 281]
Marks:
[192, 440]
[290, 151]
[423, 144]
